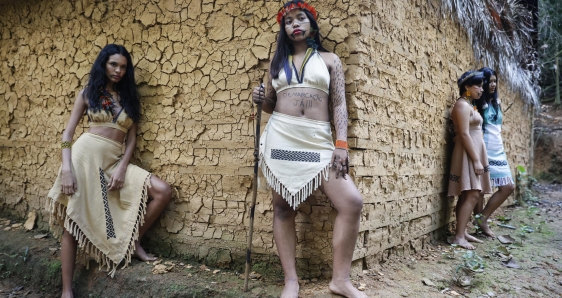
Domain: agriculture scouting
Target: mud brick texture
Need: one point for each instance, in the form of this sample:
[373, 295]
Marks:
[196, 62]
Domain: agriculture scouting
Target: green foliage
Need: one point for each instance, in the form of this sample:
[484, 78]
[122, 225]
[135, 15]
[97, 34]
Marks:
[550, 40]
[524, 183]
[472, 261]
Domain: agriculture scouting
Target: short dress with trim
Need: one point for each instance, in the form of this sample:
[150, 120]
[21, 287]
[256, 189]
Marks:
[500, 173]
[462, 176]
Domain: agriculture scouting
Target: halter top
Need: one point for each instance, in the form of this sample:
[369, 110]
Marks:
[313, 74]
[101, 118]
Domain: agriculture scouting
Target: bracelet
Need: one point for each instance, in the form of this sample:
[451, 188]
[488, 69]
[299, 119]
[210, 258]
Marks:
[65, 145]
[341, 145]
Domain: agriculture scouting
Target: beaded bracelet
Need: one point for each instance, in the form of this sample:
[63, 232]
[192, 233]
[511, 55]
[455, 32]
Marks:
[341, 145]
[65, 144]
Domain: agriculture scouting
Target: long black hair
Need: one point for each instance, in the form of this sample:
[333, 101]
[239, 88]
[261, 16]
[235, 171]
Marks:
[475, 78]
[127, 89]
[487, 98]
[285, 47]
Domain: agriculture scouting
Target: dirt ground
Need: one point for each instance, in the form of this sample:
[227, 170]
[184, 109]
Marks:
[30, 260]
[30, 267]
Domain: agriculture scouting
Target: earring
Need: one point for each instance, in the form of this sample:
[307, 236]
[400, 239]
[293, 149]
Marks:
[467, 93]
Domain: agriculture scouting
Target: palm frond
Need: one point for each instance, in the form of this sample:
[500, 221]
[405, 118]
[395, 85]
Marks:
[501, 34]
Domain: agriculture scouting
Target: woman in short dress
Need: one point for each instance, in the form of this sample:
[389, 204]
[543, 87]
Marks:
[469, 176]
[500, 173]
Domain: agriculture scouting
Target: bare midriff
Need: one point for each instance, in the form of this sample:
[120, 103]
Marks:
[309, 103]
[109, 132]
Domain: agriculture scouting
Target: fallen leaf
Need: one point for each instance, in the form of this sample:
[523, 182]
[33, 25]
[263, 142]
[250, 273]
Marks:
[511, 264]
[161, 269]
[427, 282]
[380, 273]
[361, 287]
[157, 262]
[507, 226]
[203, 267]
[216, 271]
[16, 225]
[40, 236]
[189, 266]
[254, 275]
[502, 250]
[454, 293]
[506, 239]
[30, 223]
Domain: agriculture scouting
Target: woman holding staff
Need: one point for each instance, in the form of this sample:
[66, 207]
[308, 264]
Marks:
[297, 153]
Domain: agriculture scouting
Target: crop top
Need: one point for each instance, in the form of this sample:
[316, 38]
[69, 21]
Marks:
[101, 118]
[313, 74]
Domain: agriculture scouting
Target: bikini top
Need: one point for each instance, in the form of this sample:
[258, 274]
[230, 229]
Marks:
[101, 118]
[313, 74]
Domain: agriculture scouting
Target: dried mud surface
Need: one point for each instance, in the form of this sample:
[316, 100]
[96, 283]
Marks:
[540, 275]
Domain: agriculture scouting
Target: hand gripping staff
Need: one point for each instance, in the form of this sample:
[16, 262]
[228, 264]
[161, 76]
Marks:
[255, 184]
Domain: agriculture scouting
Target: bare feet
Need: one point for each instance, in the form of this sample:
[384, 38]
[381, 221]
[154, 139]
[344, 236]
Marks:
[291, 289]
[141, 254]
[471, 238]
[482, 222]
[67, 294]
[462, 242]
[344, 288]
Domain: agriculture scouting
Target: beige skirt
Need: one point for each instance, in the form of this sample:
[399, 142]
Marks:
[462, 176]
[105, 223]
[295, 155]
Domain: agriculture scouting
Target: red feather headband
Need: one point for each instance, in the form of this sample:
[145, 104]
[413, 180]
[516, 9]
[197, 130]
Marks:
[300, 5]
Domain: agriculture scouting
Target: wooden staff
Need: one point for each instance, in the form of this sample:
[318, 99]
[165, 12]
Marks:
[256, 162]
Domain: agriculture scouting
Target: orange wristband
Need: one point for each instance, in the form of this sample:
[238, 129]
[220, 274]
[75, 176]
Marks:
[341, 144]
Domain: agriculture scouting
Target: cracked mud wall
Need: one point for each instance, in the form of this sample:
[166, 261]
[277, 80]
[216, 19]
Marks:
[196, 63]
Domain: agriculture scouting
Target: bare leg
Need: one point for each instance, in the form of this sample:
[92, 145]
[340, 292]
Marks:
[68, 260]
[285, 240]
[348, 202]
[467, 236]
[463, 216]
[495, 201]
[161, 194]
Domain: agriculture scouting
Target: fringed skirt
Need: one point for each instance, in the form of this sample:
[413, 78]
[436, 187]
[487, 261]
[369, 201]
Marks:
[105, 223]
[295, 154]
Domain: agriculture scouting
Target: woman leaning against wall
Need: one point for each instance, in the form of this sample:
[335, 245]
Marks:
[297, 153]
[500, 173]
[99, 200]
[469, 176]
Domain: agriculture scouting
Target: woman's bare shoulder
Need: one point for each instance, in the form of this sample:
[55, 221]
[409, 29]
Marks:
[329, 57]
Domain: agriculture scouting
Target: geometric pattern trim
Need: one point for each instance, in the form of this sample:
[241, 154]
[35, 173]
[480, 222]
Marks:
[301, 156]
[454, 178]
[109, 230]
[497, 163]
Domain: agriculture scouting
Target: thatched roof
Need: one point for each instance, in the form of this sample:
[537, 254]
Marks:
[501, 33]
